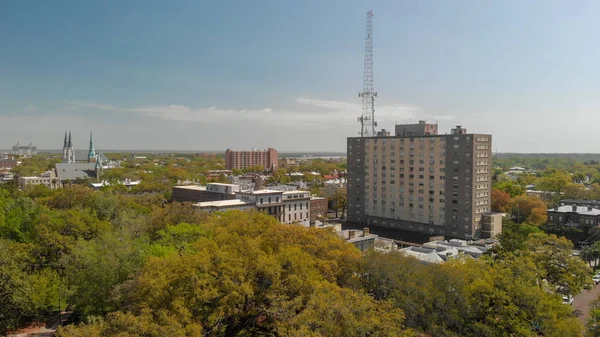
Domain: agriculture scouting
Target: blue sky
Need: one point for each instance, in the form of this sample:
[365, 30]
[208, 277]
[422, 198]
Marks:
[198, 75]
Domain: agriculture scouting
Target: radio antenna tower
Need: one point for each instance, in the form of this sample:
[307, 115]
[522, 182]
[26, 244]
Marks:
[367, 119]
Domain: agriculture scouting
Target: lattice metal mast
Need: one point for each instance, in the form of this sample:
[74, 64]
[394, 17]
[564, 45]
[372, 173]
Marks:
[367, 118]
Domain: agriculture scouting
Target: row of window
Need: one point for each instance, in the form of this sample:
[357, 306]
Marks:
[296, 217]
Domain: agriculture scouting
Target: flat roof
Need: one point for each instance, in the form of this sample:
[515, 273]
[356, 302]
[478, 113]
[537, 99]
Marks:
[223, 184]
[191, 187]
[295, 191]
[223, 203]
[262, 192]
[423, 136]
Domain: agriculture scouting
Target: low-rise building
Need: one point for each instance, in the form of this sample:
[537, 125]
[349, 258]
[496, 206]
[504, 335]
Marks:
[574, 215]
[491, 225]
[296, 206]
[580, 202]
[210, 192]
[443, 251]
[318, 208]
[225, 205]
[266, 201]
[68, 173]
[48, 179]
[6, 177]
[363, 240]
[128, 183]
[8, 164]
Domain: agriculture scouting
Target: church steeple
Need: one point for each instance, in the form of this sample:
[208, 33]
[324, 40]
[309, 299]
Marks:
[92, 152]
[70, 144]
[65, 157]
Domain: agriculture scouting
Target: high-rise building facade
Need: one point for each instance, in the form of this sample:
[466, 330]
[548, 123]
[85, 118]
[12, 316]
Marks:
[245, 159]
[420, 181]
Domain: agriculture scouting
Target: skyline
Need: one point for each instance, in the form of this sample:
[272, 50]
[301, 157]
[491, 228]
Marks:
[188, 76]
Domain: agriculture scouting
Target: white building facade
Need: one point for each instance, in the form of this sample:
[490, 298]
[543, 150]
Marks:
[296, 206]
[48, 179]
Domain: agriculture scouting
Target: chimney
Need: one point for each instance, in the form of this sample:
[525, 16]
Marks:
[556, 208]
[366, 231]
[351, 234]
[589, 208]
[574, 208]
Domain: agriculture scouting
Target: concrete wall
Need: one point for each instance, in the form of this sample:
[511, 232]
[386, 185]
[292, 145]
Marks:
[182, 194]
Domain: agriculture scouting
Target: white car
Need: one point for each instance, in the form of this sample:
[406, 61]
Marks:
[567, 299]
[596, 278]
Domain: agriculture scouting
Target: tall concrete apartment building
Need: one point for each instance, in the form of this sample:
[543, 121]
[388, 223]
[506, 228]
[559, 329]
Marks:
[269, 159]
[418, 180]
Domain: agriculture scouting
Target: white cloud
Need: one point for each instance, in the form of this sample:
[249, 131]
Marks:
[310, 114]
[471, 120]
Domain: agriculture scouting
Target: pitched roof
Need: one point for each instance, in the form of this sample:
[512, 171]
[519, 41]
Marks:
[66, 171]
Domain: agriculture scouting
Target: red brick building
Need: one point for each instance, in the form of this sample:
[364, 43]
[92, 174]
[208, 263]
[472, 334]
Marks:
[318, 207]
[246, 159]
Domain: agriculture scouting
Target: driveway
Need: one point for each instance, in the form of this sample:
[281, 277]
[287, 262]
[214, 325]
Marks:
[583, 302]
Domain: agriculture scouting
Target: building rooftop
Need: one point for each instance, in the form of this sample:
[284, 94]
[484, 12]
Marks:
[422, 254]
[223, 184]
[224, 203]
[575, 209]
[290, 193]
[74, 171]
[262, 192]
[358, 235]
[192, 187]
[580, 201]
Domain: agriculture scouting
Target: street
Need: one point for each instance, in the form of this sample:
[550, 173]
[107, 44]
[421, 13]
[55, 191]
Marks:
[583, 301]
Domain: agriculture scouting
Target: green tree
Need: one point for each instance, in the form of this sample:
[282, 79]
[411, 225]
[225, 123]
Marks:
[557, 265]
[95, 269]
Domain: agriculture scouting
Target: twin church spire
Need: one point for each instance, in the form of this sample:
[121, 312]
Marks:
[69, 152]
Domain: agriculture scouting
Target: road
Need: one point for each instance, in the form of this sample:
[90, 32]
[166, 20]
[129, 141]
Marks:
[583, 302]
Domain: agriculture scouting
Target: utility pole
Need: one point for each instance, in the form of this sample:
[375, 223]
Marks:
[367, 118]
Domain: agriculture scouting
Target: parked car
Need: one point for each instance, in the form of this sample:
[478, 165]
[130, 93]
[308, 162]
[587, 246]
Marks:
[568, 299]
[596, 278]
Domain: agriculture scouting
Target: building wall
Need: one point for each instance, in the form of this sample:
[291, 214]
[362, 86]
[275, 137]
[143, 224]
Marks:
[436, 184]
[296, 206]
[491, 225]
[318, 206]
[211, 209]
[182, 194]
[414, 130]
[244, 159]
[7, 163]
[266, 201]
[48, 179]
[222, 188]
